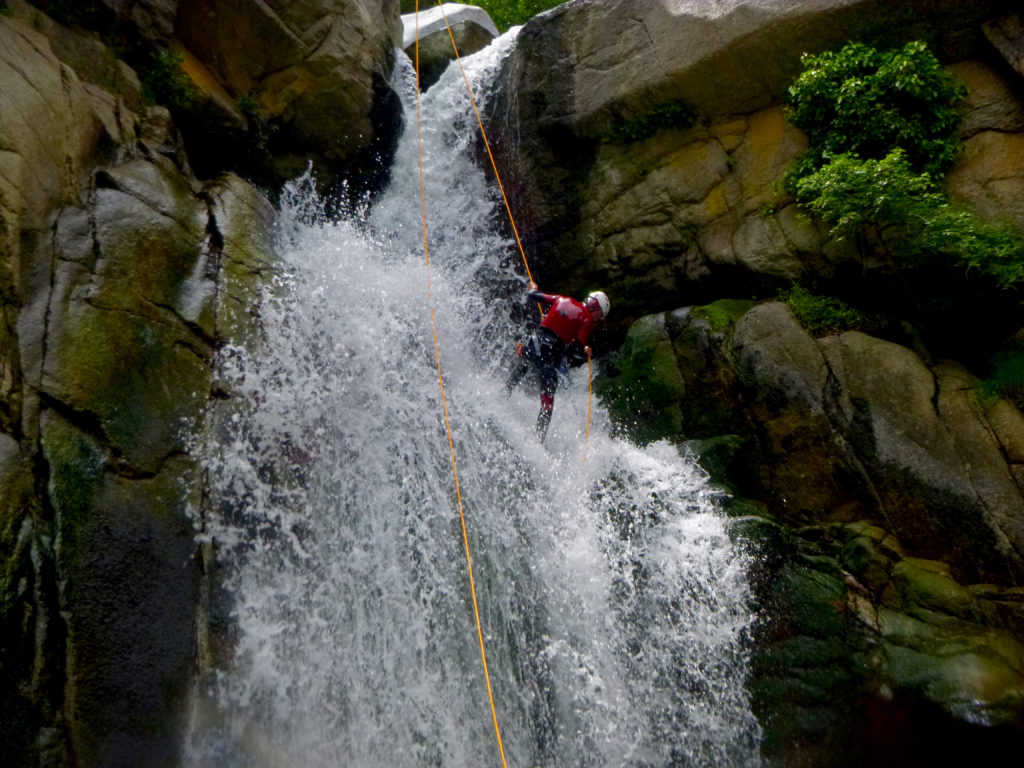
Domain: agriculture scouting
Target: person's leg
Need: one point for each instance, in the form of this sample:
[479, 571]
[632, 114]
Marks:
[519, 369]
[548, 384]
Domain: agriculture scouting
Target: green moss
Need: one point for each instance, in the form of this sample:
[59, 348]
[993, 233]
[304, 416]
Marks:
[248, 106]
[670, 115]
[76, 466]
[814, 602]
[134, 376]
[723, 314]
[822, 315]
[645, 394]
[716, 454]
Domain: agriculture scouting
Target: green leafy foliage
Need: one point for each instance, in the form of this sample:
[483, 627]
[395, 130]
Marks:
[821, 314]
[504, 13]
[907, 212]
[676, 115]
[509, 13]
[850, 193]
[865, 102]
[881, 127]
[165, 82]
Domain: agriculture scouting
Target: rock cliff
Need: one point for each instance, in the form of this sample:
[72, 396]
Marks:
[122, 271]
[646, 146]
[643, 144]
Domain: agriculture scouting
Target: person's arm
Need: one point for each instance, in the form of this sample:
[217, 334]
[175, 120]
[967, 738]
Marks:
[544, 298]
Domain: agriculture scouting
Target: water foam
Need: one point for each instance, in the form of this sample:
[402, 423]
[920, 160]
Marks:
[615, 608]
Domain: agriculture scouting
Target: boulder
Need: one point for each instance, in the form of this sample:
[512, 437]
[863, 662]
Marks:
[866, 655]
[725, 58]
[470, 25]
[844, 427]
[585, 71]
[315, 71]
[1006, 33]
[989, 177]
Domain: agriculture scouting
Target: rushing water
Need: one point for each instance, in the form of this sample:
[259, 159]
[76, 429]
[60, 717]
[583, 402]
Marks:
[615, 609]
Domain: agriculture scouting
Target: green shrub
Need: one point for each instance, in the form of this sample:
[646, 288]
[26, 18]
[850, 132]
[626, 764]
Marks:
[864, 102]
[1007, 378]
[676, 115]
[821, 315]
[850, 193]
[881, 127]
[165, 82]
[905, 212]
[509, 13]
[504, 13]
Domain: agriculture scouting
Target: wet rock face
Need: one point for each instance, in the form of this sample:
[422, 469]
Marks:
[844, 427]
[315, 71]
[571, 80]
[277, 84]
[883, 500]
[870, 657]
[471, 29]
[121, 273]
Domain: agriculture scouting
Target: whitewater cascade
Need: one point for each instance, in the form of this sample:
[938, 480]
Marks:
[615, 608]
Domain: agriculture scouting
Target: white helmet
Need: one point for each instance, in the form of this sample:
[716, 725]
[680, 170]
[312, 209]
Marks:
[602, 301]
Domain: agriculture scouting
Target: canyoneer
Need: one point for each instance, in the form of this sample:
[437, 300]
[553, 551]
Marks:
[562, 335]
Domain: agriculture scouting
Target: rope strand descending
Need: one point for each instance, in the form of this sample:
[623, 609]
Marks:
[508, 208]
[487, 144]
[444, 405]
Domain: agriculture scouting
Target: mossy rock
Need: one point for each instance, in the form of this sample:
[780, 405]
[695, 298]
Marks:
[928, 584]
[143, 386]
[246, 225]
[812, 603]
[724, 313]
[717, 454]
[974, 684]
[645, 394]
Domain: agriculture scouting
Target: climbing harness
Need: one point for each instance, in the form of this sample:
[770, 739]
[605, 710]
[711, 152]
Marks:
[444, 404]
[504, 197]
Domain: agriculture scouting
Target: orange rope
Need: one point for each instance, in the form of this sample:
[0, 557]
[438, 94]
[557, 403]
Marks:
[487, 144]
[444, 404]
[504, 197]
[590, 393]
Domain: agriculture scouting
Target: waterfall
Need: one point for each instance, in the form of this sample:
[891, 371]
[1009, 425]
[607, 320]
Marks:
[615, 609]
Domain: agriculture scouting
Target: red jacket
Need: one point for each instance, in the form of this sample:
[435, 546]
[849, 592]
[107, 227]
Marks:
[569, 319]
